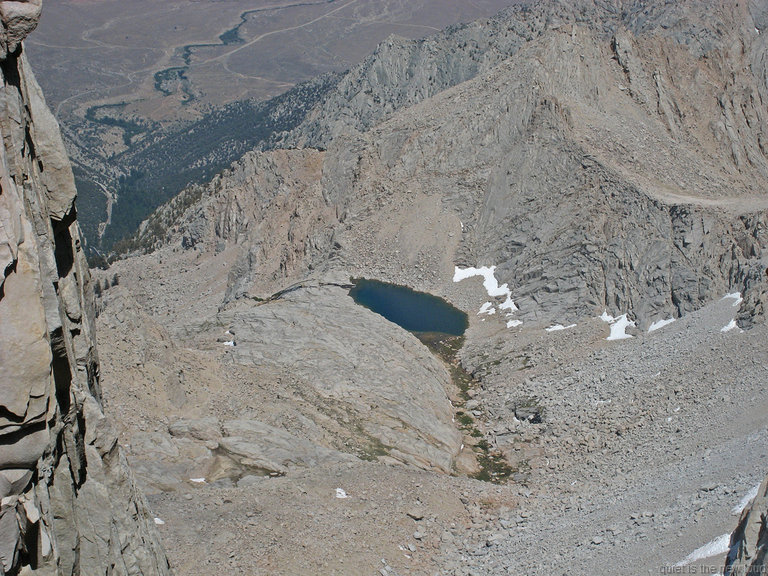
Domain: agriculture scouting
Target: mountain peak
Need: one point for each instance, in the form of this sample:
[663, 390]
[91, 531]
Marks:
[18, 18]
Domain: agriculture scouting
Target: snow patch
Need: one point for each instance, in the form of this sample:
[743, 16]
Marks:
[508, 304]
[229, 343]
[605, 317]
[491, 285]
[730, 326]
[660, 324]
[197, 480]
[719, 545]
[558, 327]
[618, 328]
[736, 296]
[745, 501]
[341, 493]
[487, 308]
[619, 325]
[159, 522]
[514, 323]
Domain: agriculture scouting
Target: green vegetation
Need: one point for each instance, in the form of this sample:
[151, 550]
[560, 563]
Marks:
[446, 349]
[91, 202]
[159, 223]
[464, 419]
[130, 128]
[370, 448]
[231, 36]
[228, 38]
[493, 466]
[157, 167]
[166, 80]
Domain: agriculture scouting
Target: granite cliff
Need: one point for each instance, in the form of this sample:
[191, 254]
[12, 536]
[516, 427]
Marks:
[747, 547]
[69, 501]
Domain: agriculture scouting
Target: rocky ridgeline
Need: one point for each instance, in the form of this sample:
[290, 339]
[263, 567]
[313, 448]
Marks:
[401, 72]
[69, 502]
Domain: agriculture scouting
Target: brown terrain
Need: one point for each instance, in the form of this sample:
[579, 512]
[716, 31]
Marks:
[101, 52]
[128, 79]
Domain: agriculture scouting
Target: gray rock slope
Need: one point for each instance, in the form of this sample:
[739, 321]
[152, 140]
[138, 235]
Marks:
[401, 72]
[614, 160]
[389, 387]
[69, 502]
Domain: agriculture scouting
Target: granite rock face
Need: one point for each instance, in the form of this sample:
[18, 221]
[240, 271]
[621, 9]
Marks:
[748, 552]
[401, 73]
[18, 19]
[387, 385]
[69, 503]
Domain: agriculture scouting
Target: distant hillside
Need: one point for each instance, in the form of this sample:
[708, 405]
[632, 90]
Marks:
[154, 171]
[600, 158]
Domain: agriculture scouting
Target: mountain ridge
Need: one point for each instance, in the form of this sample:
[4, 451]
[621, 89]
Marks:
[570, 112]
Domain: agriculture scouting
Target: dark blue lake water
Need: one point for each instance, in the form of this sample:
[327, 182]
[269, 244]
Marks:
[414, 311]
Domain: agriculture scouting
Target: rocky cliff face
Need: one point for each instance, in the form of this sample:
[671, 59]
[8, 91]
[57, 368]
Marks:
[69, 503]
[401, 72]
